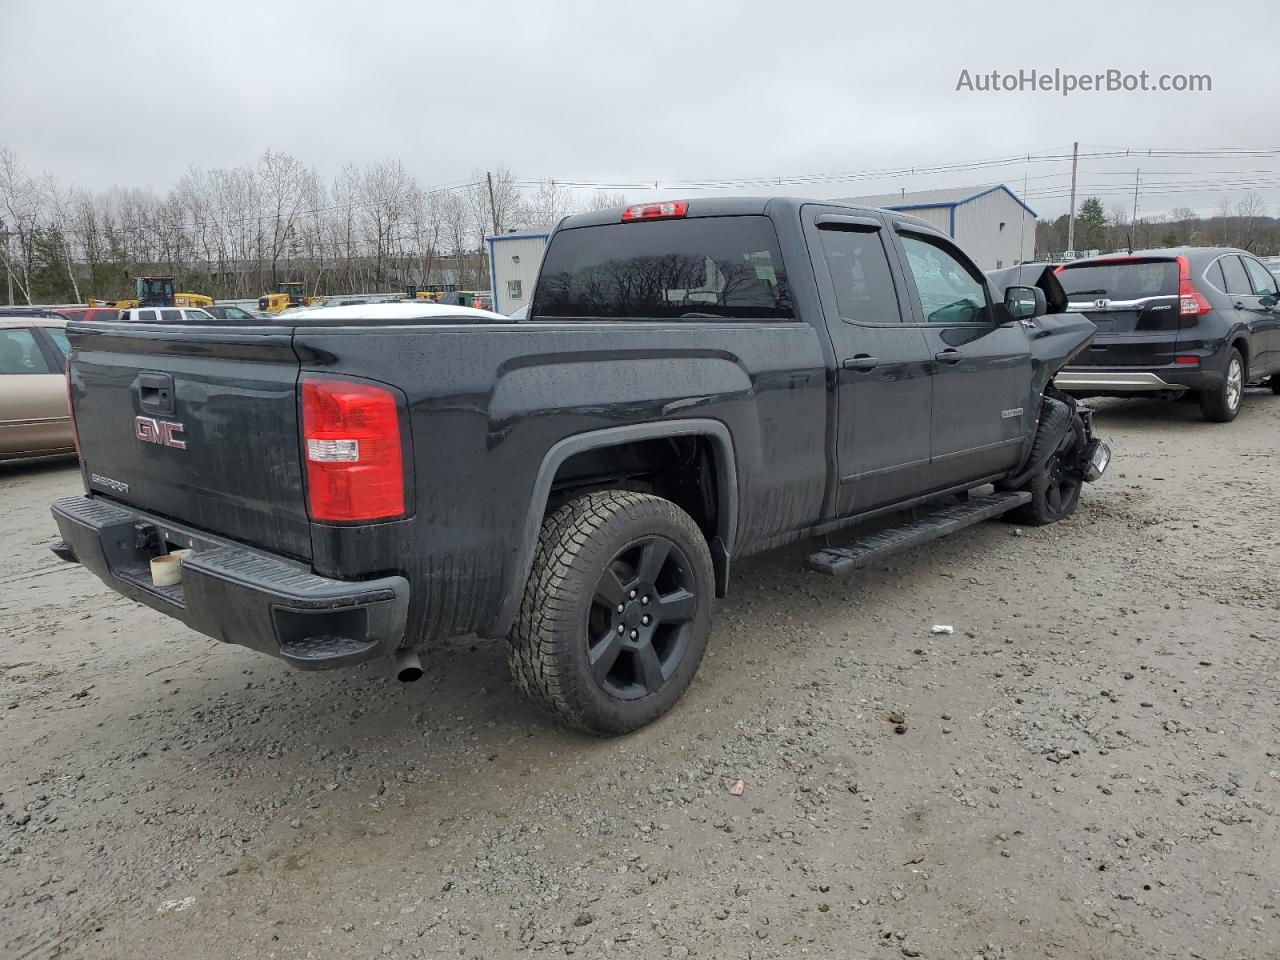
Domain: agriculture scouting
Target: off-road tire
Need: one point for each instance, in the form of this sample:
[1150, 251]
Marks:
[1057, 443]
[1222, 404]
[551, 642]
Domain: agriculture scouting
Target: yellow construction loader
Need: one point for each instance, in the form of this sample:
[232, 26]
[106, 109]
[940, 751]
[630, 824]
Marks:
[154, 292]
[431, 291]
[292, 294]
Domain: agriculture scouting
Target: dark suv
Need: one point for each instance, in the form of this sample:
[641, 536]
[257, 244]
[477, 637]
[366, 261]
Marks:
[1188, 322]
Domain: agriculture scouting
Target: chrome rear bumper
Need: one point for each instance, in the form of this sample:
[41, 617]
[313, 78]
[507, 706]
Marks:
[1136, 381]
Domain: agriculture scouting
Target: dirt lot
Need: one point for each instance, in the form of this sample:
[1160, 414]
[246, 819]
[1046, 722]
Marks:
[1090, 766]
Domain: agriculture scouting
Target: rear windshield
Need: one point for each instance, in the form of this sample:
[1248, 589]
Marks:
[707, 268]
[1131, 280]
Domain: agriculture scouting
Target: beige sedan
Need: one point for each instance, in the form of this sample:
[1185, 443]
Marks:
[34, 421]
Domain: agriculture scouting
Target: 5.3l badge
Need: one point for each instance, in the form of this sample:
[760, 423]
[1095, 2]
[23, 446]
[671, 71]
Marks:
[164, 432]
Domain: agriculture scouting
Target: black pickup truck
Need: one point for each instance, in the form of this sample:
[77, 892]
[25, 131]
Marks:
[696, 381]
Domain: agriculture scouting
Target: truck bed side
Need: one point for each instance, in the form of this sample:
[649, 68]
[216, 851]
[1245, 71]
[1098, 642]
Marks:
[489, 406]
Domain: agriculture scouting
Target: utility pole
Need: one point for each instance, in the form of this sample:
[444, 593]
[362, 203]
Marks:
[493, 206]
[1133, 221]
[1071, 217]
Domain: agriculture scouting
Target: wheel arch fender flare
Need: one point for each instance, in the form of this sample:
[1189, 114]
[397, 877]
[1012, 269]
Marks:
[726, 490]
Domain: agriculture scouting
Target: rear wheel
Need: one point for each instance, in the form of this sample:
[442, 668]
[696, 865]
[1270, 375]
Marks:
[616, 612]
[1221, 404]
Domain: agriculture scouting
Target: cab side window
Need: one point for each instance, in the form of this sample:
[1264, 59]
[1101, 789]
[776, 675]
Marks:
[949, 291]
[860, 273]
[1264, 284]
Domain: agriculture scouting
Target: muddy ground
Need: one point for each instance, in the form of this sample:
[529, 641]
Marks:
[1090, 766]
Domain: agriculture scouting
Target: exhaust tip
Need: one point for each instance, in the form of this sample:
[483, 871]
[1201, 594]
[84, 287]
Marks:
[407, 666]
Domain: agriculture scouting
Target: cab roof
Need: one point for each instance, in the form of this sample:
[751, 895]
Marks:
[741, 207]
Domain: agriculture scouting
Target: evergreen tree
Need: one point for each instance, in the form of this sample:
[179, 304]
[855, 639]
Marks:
[1091, 225]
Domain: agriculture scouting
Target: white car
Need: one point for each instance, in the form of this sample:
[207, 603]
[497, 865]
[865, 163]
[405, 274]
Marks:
[166, 315]
[406, 310]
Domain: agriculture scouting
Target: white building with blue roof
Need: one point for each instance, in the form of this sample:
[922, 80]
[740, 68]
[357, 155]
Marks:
[990, 222]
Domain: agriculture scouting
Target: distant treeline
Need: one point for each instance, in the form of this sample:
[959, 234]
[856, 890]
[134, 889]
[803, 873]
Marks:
[236, 233]
[1243, 225]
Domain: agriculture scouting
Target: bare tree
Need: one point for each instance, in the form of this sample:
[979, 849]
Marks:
[59, 205]
[282, 181]
[601, 200]
[427, 227]
[385, 191]
[548, 204]
[495, 202]
[1182, 218]
[1248, 210]
[19, 211]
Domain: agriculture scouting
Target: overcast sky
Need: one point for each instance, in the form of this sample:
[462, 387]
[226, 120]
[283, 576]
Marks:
[132, 94]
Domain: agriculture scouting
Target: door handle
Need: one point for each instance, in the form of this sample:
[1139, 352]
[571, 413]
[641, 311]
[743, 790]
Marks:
[861, 362]
[949, 356]
[1239, 304]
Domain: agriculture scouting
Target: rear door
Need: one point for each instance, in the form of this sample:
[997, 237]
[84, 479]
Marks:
[981, 367]
[884, 391]
[33, 397]
[1133, 301]
[197, 424]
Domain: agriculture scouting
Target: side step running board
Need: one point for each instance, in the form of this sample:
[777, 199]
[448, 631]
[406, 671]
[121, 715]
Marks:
[877, 546]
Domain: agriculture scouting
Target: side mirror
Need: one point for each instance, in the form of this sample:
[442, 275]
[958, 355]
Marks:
[1267, 301]
[1023, 303]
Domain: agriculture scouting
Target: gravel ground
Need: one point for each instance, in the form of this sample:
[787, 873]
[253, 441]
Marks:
[1089, 767]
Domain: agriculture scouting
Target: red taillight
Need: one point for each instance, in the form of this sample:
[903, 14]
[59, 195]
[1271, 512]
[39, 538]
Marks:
[655, 211]
[1191, 302]
[1186, 361]
[351, 439]
[71, 409]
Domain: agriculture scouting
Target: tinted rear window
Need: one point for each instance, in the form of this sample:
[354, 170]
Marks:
[1237, 279]
[706, 268]
[1131, 280]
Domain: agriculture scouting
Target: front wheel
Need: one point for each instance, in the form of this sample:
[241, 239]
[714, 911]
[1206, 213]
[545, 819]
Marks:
[1223, 403]
[1055, 487]
[616, 612]
[1275, 383]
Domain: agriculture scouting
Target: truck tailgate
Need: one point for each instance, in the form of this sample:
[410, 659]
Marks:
[199, 424]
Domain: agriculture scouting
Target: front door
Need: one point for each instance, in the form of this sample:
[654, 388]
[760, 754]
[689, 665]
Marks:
[982, 404]
[882, 366]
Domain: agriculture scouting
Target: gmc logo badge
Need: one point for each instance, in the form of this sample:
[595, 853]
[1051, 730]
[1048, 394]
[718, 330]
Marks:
[164, 432]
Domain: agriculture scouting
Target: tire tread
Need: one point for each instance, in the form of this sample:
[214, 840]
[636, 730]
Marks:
[550, 604]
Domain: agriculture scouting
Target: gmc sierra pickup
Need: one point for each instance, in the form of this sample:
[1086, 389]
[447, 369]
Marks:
[696, 381]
